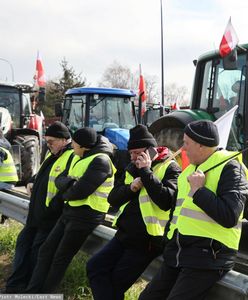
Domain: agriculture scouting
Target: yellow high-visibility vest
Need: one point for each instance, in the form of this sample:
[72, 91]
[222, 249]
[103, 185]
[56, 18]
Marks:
[8, 171]
[154, 218]
[98, 199]
[190, 219]
[58, 167]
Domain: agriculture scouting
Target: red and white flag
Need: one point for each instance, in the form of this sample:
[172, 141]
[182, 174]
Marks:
[39, 77]
[142, 93]
[224, 125]
[229, 40]
[175, 106]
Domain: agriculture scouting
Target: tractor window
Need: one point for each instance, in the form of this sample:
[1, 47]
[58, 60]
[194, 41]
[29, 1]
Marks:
[221, 90]
[111, 112]
[10, 101]
[73, 112]
[26, 104]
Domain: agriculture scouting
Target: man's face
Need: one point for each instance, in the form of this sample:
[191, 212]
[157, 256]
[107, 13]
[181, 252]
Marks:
[78, 150]
[55, 144]
[134, 153]
[193, 150]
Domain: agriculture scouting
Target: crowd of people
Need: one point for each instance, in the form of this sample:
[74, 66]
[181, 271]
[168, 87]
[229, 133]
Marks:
[193, 218]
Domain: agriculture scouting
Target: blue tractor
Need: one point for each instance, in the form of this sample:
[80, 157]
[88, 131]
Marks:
[109, 110]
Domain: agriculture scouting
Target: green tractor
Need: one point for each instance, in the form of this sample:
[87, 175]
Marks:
[219, 84]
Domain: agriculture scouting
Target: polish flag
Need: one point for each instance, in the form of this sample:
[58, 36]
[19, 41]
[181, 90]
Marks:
[229, 40]
[142, 93]
[39, 74]
[175, 106]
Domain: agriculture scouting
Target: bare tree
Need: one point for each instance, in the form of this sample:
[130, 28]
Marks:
[175, 93]
[152, 89]
[117, 76]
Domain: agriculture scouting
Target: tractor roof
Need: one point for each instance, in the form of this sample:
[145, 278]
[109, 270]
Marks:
[102, 91]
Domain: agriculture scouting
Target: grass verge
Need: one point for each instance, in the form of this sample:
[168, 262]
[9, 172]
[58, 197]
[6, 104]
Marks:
[75, 285]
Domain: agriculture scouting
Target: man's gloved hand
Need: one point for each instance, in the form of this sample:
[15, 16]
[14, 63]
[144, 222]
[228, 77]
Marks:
[63, 183]
[3, 156]
[56, 204]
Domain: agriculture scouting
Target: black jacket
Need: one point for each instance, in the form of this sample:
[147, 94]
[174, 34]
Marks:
[131, 227]
[225, 208]
[39, 215]
[97, 172]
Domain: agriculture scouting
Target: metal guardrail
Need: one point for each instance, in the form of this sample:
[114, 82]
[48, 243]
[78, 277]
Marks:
[233, 286]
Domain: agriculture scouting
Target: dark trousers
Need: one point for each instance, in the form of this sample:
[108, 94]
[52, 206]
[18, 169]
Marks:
[114, 269]
[56, 254]
[181, 283]
[28, 243]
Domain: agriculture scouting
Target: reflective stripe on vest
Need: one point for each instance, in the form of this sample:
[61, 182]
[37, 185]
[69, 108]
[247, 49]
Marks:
[98, 199]
[8, 171]
[190, 219]
[58, 167]
[154, 218]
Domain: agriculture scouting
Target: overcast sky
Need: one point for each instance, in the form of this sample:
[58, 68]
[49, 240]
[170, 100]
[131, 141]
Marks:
[91, 34]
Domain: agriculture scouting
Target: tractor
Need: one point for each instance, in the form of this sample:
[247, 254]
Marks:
[219, 84]
[110, 111]
[21, 127]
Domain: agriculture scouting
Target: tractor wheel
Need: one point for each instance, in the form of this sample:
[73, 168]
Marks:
[29, 155]
[172, 138]
[168, 130]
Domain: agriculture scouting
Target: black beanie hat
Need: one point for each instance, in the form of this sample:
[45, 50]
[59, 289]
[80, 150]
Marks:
[140, 137]
[85, 137]
[58, 130]
[203, 132]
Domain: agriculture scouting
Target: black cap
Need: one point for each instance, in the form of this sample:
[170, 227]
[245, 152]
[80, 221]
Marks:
[140, 137]
[58, 130]
[85, 137]
[203, 132]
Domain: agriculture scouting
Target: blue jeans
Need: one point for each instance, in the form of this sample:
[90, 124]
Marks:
[114, 269]
[28, 243]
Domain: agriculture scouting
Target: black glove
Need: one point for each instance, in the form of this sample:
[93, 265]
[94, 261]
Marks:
[63, 183]
[3, 155]
[56, 204]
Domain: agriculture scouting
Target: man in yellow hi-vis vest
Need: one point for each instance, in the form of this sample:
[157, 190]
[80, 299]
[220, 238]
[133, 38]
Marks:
[143, 199]
[85, 191]
[205, 228]
[42, 214]
[8, 173]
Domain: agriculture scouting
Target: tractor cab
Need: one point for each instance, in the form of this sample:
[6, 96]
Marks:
[220, 84]
[109, 111]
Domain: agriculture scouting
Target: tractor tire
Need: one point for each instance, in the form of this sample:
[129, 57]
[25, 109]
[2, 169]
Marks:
[168, 130]
[29, 154]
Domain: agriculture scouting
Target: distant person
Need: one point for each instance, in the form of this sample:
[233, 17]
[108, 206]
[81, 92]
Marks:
[143, 196]
[4, 143]
[85, 191]
[8, 172]
[44, 208]
[205, 228]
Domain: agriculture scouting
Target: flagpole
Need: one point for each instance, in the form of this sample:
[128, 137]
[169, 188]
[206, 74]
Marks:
[162, 54]
[140, 100]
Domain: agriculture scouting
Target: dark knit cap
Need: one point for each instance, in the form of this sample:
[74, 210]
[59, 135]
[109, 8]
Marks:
[58, 130]
[203, 132]
[85, 137]
[140, 137]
